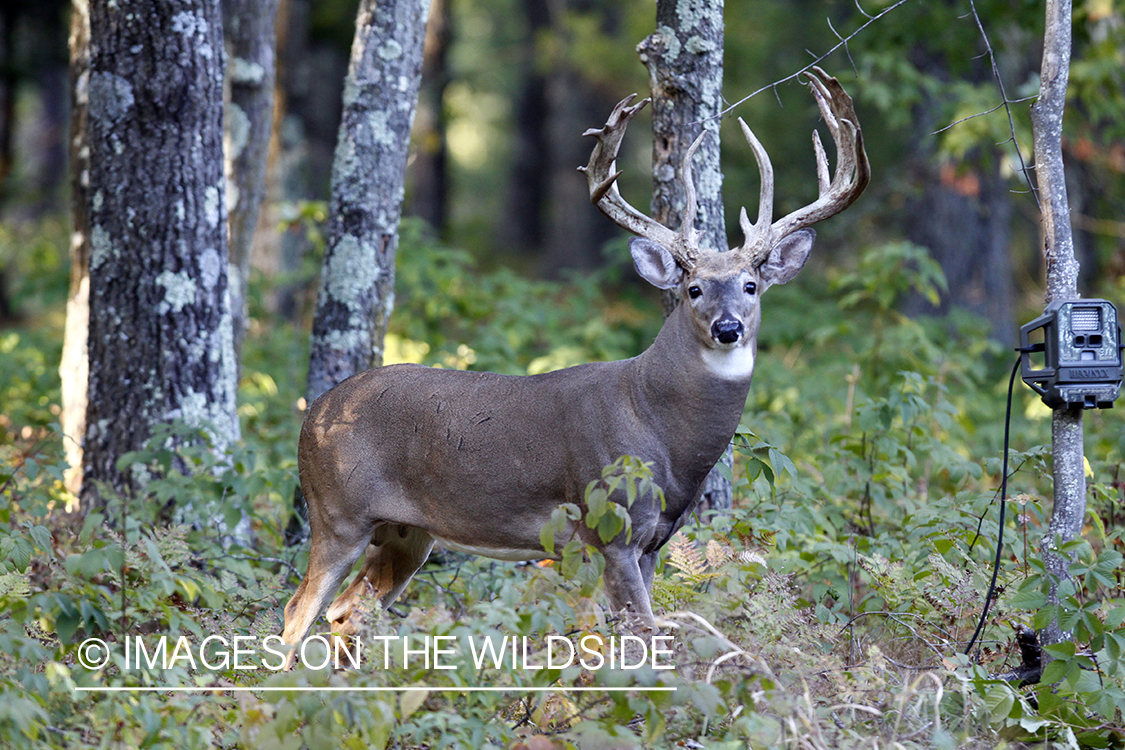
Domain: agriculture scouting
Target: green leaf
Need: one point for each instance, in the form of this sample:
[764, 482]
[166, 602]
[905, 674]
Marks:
[1043, 617]
[1056, 671]
[999, 699]
[411, 701]
[1030, 599]
[42, 537]
[782, 462]
[20, 554]
[596, 502]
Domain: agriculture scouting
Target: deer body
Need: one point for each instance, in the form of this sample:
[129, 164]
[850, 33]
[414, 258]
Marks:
[481, 460]
[396, 458]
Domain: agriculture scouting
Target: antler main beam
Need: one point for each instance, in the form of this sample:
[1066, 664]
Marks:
[849, 180]
[602, 174]
[853, 171]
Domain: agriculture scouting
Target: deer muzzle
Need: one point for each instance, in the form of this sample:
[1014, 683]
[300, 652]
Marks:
[727, 330]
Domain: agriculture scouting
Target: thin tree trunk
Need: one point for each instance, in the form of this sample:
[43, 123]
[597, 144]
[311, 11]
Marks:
[250, 27]
[685, 64]
[524, 226]
[357, 280]
[966, 226]
[574, 230]
[7, 93]
[1069, 507]
[74, 366]
[429, 170]
[160, 339]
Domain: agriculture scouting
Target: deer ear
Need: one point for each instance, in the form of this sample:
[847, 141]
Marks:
[654, 263]
[787, 258]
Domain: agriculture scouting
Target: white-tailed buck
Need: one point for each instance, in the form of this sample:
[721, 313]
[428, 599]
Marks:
[397, 458]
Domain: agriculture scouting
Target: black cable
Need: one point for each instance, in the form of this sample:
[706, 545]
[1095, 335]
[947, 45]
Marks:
[1003, 505]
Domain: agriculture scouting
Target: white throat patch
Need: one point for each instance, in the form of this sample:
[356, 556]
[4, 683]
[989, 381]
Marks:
[730, 364]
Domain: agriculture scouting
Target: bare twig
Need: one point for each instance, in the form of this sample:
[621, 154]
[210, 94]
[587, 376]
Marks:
[1005, 103]
[254, 558]
[842, 43]
[982, 114]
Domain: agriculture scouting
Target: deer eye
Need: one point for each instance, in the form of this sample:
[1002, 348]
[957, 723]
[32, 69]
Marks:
[694, 291]
[750, 287]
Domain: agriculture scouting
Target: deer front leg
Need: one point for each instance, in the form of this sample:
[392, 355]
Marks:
[625, 586]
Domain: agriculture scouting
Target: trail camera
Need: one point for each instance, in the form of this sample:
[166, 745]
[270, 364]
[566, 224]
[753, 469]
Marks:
[1080, 342]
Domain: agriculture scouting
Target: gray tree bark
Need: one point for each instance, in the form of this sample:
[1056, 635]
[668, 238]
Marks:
[356, 293]
[357, 280]
[74, 366]
[684, 58]
[1069, 508]
[160, 337]
[251, 35]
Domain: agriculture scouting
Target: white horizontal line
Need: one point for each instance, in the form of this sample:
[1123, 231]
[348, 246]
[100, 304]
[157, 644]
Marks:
[339, 689]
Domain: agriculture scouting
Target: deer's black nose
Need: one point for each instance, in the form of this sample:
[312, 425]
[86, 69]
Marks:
[726, 330]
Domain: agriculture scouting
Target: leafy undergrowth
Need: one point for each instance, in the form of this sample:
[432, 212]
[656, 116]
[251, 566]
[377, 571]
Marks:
[828, 610]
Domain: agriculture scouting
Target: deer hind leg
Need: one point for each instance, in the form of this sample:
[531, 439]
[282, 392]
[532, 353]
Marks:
[332, 555]
[395, 553]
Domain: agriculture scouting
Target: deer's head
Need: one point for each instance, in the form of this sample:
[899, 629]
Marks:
[722, 290]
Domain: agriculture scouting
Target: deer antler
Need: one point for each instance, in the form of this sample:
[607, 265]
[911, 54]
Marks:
[601, 176]
[852, 171]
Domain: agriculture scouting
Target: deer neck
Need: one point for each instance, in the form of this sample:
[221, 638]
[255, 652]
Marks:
[696, 393]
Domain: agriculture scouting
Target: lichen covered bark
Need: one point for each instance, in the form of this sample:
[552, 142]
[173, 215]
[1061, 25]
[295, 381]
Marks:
[160, 338]
[357, 280]
[684, 57]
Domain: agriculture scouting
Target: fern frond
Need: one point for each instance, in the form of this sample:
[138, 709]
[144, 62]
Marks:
[172, 544]
[15, 584]
[684, 556]
[715, 554]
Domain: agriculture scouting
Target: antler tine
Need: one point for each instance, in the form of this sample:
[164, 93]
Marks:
[853, 171]
[821, 164]
[601, 177]
[687, 226]
[757, 231]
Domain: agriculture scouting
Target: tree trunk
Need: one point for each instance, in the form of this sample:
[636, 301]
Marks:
[7, 94]
[574, 229]
[523, 228]
[160, 339]
[250, 28]
[74, 366]
[357, 280]
[429, 171]
[1069, 508]
[310, 75]
[684, 58]
[964, 220]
